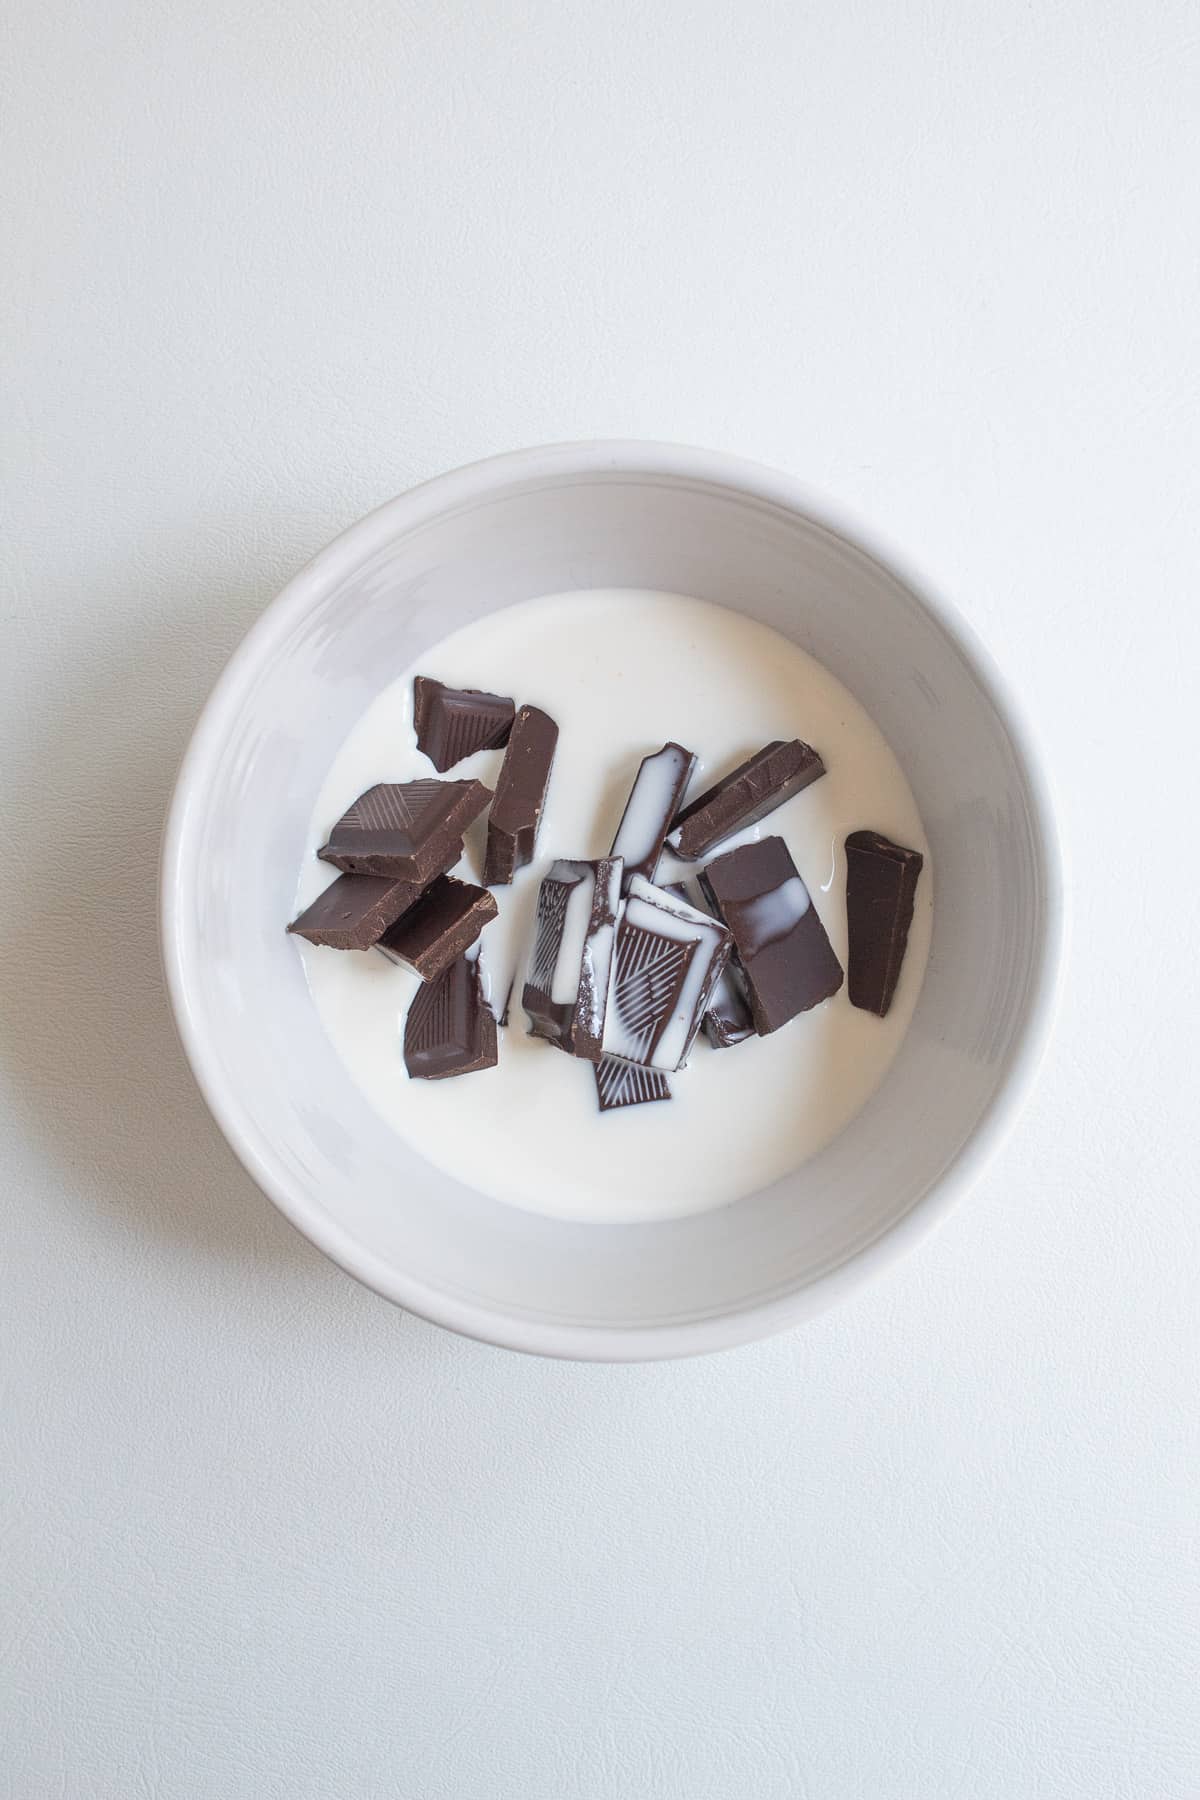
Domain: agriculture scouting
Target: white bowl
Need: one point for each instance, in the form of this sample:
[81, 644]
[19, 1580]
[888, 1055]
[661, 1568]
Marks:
[541, 521]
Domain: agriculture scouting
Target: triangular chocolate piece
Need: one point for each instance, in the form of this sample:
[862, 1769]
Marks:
[452, 723]
[449, 1030]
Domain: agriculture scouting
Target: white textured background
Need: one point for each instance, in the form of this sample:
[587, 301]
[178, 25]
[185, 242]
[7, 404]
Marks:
[264, 265]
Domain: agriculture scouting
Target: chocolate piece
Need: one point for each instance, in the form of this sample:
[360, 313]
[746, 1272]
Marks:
[443, 923]
[669, 959]
[354, 911]
[627, 1084]
[727, 1021]
[881, 887]
[784, 957]
[410, 830]
[503, 1019]
[520, 795]
[449, 1030]
[566, 992]
[455, 722]
[653, 803]
[754, 789]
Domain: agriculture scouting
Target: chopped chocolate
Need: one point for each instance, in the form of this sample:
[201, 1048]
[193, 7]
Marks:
[566, 992]
[627, 1084]
[881, 887]
[669, 959]
[727, 1021]
[354, 911]
[443, 923]
[784, 957]
[452, 723]
[520, 795]
[743, 797]
[449, 1030]
[410, 830]
[653, 803]
[503, 1019]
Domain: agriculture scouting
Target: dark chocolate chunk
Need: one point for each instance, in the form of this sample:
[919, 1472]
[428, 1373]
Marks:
[881, 887]
[566, 992]
[754, 789]
[653, 803]
[727, 1021]
[443, 923]
[449, 1030]
[354, 911]
[410, 830]
[669, 959]
[784, 957]
[520, 795]
[627, 1084]
[452, 723]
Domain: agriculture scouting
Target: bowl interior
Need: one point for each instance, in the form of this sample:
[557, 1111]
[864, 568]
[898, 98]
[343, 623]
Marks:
[368, 606]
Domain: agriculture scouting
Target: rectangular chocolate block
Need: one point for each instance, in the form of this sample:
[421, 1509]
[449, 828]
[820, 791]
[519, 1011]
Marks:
[654, 801]
[727, 1021]
[520, 796]
[743, 797]
[453, 723]
[620, 1084]
[444, 922]
[669, 959]
[881, 889]
[784, 957]
[449, 1029]
[409, 830]
[354, 911]
[566, 991]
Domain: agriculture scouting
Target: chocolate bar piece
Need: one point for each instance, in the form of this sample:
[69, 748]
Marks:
[520, 795]
[443, 923]
[727, 1021]
[627, 1084]
[653, 803]
[354, 911]
[566, 992]
[410, 830]
[450, 1030]
[455, 722]
[669, 959]
[784, 957]
[754, 789]
[881, 887]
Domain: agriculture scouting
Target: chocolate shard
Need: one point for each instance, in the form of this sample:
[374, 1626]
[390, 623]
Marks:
[410, 830]
[653, 803]
[743, 797]
[627, 1084]
[669, 959]
[881, 888]
[784, 957]
[566, 990]
[354, 911]
[450, 1030]
[520, 796]
[727, 1021]
[452, 723]
[443, 923]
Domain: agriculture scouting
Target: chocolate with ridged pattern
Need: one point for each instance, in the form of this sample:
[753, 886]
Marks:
[410, 830]
[453, 723]
[450, 1029]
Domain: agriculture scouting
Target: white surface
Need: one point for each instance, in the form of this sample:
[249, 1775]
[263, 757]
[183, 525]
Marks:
[261, 1533]
[656, 665]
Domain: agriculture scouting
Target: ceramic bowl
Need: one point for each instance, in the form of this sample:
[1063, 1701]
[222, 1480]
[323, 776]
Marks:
[585, 516]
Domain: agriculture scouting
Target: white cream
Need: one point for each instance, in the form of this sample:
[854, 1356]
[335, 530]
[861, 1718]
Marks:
[622, 671]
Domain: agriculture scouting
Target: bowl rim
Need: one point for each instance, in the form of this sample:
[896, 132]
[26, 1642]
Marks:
[464, 486]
